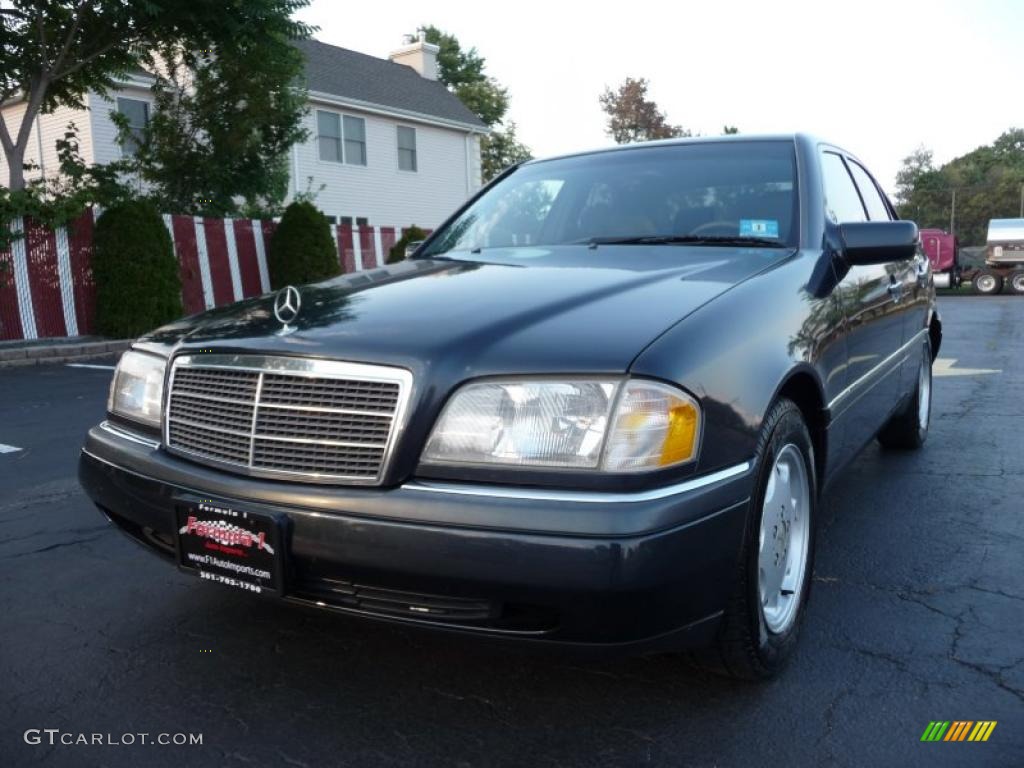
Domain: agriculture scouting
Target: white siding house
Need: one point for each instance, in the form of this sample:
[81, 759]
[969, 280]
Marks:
[388, 144]
[369, 183]
[97, 134]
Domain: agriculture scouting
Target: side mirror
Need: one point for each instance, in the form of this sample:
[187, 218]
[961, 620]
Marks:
[412, 247]
[878, 242]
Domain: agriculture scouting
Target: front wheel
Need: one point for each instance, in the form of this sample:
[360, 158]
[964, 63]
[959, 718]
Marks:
[908, 428]
[759, 628]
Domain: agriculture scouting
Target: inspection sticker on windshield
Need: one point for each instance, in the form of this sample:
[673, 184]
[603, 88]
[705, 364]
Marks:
[759, 228]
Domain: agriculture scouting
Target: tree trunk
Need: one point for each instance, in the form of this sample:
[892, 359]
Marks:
[14, 148]
[15, 166]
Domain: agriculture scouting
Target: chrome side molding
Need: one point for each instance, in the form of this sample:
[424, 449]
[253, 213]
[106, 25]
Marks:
[582, 497]
[127, 434]
[891, 360]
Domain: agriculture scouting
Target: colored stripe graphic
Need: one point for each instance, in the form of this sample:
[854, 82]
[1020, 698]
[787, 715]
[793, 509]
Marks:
[958, 730]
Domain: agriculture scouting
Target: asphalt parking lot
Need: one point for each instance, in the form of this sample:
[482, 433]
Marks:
[917, 614]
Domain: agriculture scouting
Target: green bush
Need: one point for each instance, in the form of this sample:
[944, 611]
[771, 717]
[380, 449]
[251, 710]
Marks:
[138, 287]
[412, 234]
[302, 249]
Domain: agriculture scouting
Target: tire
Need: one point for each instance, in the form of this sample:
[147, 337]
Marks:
[1017, 281]
[908, 428]
[758, 633]
[988, 283]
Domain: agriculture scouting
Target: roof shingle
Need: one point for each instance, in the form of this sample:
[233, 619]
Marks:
[348, 74]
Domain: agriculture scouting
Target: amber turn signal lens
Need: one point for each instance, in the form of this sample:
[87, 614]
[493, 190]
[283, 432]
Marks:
[681, 436]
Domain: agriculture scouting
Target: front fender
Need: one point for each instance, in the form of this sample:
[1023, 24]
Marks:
[738, 352]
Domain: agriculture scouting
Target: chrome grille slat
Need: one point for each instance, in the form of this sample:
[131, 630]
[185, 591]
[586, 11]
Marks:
[212, 398]
[318, 409]
[211, 428]
[292, 418]
[308, 441]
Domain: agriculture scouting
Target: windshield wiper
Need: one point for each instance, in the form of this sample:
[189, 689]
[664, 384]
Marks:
[733, 240]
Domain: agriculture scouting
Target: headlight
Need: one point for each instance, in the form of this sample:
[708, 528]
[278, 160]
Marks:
[605, 424]
[137, 390]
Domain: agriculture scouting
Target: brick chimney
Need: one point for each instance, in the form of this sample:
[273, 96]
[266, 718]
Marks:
[420, 55]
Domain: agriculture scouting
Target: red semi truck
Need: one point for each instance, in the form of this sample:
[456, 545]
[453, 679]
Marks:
[1004, 258]
[943, 252]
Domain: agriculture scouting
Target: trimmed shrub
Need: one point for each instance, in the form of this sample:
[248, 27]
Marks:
[412, 234]
[302, 249]
[138, 287]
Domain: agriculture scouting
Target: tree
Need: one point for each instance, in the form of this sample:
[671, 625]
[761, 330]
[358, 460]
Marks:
[730, 130]
[462, 71]
[500, 149]
[634, 117]
[52, 52]
[988, 184]
[915, 165]
[222, 127]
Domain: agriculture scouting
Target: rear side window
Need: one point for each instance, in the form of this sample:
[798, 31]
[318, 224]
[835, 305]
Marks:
[877, 209]
[842, 203]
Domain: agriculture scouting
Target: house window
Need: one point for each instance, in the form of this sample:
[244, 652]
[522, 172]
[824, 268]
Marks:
[331, 140]
[328, 129]
[362, 221]
[346, 221]
[137, 113]
[355, 140]
[406, 148]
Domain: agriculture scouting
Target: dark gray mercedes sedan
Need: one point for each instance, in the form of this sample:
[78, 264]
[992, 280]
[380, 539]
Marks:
[596, 408]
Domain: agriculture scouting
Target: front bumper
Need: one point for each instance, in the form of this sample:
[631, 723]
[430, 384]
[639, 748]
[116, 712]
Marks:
[647, 571]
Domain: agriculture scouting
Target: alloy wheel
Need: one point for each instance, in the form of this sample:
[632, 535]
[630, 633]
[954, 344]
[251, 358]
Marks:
[784, 538]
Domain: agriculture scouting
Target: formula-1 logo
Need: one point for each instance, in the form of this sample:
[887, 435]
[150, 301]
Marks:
[958, 730]
[226, 533]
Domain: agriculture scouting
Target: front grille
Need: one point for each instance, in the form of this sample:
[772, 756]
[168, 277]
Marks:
[293, 418]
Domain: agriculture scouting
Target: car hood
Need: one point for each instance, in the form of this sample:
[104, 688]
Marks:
[538, 310]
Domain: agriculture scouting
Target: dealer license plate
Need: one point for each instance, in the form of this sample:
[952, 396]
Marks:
[226, 545]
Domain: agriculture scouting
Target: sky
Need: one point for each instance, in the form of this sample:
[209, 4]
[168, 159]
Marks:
[878, 78]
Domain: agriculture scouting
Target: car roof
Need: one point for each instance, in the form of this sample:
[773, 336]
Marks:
[730, 138]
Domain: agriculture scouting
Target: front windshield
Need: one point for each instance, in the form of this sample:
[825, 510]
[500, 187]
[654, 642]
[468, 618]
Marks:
[720, 192]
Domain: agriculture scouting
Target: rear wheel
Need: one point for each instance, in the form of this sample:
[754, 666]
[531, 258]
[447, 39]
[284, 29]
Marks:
[908, 428]
[760, 625]
[988, 283]
[1017, 281]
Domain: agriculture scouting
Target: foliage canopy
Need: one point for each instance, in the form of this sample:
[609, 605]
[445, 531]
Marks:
[988, 181]
[632, 116]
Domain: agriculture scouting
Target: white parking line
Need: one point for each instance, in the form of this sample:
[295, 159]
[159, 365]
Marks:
[8, 448]
[87, 365]
[945, 366]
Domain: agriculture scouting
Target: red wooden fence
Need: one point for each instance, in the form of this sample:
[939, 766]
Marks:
[46, 283]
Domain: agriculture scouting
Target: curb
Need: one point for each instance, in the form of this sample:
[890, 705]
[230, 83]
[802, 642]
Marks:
[41, 354]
